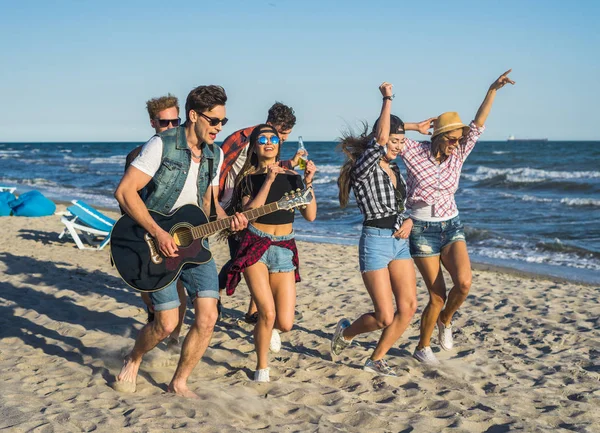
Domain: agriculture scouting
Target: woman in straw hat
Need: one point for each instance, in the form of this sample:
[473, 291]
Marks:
[384, 254]
[437, 237]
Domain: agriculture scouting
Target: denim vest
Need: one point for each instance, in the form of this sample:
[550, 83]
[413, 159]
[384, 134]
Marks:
[166, 185]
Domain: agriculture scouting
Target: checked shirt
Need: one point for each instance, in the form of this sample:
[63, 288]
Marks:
[373, 187]
[433, 183]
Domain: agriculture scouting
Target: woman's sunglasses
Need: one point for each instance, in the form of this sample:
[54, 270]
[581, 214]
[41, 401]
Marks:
[164, 123]
[453, 140]
[214, 121]
[263, 139]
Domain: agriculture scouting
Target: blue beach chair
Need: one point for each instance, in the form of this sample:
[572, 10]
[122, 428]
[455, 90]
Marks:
[87, 224]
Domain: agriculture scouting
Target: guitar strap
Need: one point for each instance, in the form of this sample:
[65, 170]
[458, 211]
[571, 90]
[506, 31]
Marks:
[213, 210]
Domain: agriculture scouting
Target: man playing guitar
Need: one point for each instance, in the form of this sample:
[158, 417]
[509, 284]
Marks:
[180, 166]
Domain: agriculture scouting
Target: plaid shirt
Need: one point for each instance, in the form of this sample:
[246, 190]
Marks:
[433, 183]
[252, 248]
[373, 188]
[232, 147]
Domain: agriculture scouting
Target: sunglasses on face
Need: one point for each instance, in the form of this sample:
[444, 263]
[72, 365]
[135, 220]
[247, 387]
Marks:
[453, 140]
[164, 123]
[263, 139]
[214, 121]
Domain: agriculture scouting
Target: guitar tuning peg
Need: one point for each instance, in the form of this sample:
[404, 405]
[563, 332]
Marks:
[292, 210]
[304, 207]
[298, 190]
[286, 194]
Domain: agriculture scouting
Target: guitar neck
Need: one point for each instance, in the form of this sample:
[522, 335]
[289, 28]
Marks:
[208, 229]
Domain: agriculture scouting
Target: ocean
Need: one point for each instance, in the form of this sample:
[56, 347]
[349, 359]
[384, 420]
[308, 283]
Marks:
[533, 206]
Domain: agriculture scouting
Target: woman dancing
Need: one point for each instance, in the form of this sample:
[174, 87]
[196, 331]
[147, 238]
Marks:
[384, 255]
[437, 237]
[267, 255]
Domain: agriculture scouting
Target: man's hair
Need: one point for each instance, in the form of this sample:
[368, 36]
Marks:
[205, 98]
[156, 105]
[281, 115]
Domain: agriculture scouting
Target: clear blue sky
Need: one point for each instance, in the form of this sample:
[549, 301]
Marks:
[82, 70]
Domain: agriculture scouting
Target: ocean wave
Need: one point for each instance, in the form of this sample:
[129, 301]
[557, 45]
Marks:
[500, 152]
[114, 159]
[528, 175]
[329, 169]
[569, 201]
[325, 179]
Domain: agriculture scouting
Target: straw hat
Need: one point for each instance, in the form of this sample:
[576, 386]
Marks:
[447, 122]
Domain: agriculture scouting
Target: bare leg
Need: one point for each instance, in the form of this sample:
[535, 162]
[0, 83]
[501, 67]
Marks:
[456, 260]
[148, 302]
[431, 272]
[174, 337]
[194, 345]
[404, 287]
[283, 286]
[380, 289]
[257, 277]
[150, 335]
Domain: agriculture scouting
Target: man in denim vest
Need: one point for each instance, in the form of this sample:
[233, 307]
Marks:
[164, 114]
[174, 166]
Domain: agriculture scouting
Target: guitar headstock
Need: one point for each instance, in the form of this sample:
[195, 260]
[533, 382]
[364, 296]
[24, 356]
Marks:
[294, 199]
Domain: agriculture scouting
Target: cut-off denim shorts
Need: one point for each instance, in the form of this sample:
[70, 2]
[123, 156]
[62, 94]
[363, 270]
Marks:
[429, 238]
[200, 281]
[377, 248]
[276, 259]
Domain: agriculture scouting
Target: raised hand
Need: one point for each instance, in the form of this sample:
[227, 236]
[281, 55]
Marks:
[386, 89]
[425, 126]
[502, 81]
[309, 171]
[273, 170]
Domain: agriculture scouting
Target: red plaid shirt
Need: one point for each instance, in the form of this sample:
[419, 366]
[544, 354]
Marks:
[232, 147]
[251, 250]
[433, 183]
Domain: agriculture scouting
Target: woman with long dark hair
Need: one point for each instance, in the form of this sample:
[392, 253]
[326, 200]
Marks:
[384, 256]
[267, 256]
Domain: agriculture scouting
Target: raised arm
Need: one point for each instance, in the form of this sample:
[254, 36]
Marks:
[382, 133]
[486, 105]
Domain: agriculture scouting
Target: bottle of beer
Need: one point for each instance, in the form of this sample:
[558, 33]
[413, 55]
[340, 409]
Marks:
[303, 158]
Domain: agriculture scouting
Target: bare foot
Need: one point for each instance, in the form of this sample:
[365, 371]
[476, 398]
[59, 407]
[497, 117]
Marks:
[126, 380]
[182, 391]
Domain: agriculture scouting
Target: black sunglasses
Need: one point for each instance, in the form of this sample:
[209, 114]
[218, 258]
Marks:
[452, 140]
[163, 123]
[214, 121]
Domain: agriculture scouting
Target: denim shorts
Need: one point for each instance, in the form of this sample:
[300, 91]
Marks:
[377, 248]
[200, 281]
[277, 259]
[428, 238]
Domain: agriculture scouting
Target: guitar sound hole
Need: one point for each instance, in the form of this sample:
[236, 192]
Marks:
[183, 237]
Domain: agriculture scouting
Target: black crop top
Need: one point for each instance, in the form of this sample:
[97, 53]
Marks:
[283, 183]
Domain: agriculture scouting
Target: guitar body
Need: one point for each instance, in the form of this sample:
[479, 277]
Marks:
[137, 258]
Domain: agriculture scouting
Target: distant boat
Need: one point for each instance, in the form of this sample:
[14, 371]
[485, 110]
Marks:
[528, 140]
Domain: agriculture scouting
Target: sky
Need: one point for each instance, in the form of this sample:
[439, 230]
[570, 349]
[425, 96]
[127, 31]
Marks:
[82, 70]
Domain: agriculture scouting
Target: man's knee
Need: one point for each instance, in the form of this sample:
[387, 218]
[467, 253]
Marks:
[165, 322]
[207, 319]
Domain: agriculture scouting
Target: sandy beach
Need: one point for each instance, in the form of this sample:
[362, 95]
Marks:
[526, 355]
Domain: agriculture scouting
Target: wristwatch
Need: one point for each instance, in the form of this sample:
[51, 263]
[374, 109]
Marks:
[388, 97]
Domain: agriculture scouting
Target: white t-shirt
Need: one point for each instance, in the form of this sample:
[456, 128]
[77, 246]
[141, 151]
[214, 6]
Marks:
[149, 159]
[230, 179]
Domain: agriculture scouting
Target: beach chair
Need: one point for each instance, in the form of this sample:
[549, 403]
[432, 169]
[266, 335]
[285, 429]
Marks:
[84, 223]
[10, 189]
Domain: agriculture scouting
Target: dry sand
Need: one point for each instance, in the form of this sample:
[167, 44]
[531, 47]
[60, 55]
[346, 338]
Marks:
[526, 356]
